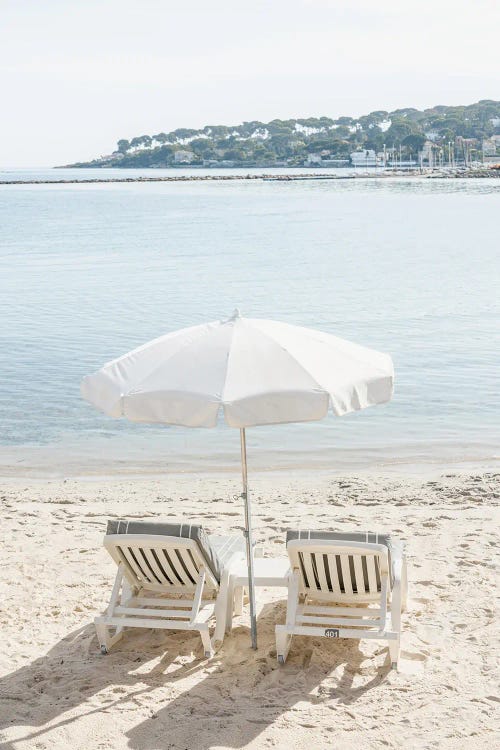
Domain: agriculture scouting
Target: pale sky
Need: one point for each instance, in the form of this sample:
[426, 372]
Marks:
[77, 75]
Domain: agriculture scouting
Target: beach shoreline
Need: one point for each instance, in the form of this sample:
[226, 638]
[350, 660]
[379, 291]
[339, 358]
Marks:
[56, 462]
[414, 469]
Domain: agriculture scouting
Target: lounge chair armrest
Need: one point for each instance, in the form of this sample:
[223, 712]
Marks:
[399, 584]
[397, 568]
[398, 560]
[403, 579]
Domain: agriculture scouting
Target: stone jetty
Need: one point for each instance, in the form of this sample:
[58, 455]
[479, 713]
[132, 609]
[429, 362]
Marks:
[448, 174]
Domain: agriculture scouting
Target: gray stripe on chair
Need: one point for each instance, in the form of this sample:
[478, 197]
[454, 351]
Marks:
[392, 543]
[215, 550]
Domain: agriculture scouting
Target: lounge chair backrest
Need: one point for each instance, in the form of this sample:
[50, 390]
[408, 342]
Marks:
[211, 552]
[156, 562]
[339, 570]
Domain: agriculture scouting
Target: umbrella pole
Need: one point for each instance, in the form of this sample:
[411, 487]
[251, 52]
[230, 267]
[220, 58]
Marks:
[248, 537]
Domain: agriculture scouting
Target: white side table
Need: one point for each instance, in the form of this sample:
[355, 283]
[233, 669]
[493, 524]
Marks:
[268, 571]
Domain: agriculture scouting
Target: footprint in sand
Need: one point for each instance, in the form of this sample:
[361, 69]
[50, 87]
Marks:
[307, 658]
[429, 633]
[412, 662]
[413, 655]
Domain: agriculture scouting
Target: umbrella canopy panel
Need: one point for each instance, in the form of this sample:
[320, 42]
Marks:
[255, 371]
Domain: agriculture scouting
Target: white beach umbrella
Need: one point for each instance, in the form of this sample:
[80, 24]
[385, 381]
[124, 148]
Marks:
[248, 371]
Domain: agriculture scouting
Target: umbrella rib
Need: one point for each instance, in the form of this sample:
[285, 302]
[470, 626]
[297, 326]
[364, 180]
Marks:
[223, 390]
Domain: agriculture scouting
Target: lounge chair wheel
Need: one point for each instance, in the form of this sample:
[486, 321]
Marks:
[208, 654]
[281, 659]
[394, 665]
[104, 650]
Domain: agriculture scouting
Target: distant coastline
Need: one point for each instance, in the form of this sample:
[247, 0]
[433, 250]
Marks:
[434, 138]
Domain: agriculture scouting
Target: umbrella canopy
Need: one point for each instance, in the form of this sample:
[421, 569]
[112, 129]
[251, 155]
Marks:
[250, 371]
[253, 372]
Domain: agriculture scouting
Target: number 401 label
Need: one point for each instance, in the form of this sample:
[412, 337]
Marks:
[331, 633]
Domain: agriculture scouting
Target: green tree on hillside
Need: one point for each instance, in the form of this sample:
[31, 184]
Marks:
[414, 142]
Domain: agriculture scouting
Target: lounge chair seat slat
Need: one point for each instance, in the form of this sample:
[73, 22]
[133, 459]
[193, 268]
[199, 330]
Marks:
[309, 572]
[358, 573]
[338, 622]
[188, 569]
[135, 565]
[334, 578]
[148, 556]
[146, 612]
[372, 578]
[346, 574]
[334, 610]
[320, 566]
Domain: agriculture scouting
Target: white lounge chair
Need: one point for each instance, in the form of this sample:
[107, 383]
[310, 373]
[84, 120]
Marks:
[344, 586]
[159, 560]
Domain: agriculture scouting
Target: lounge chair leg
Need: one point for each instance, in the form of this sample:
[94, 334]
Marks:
[107, 641]
[404, 587]
[284, 632]
[223, 610]
[238, 600]
[283, 642]
[394, 649]
[229, 620]
[207, 643]
[102, 637]
[229, 604]
[398, 604]
[220, 627]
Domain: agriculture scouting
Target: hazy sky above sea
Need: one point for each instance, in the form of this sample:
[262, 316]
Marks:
[77, 75]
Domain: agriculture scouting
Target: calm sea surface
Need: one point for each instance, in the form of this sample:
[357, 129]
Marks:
[88, 272]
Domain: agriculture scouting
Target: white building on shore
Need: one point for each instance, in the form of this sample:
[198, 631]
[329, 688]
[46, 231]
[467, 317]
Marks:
[366, 158]
[491, 150]
[489, 147]
[428, 154]
[184, 157]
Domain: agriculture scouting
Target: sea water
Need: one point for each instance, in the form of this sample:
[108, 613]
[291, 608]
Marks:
[406, 266]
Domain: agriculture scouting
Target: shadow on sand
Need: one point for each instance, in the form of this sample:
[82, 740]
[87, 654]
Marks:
[227, 701]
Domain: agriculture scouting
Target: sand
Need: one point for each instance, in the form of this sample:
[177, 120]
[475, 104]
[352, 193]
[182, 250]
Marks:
[156, 690]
